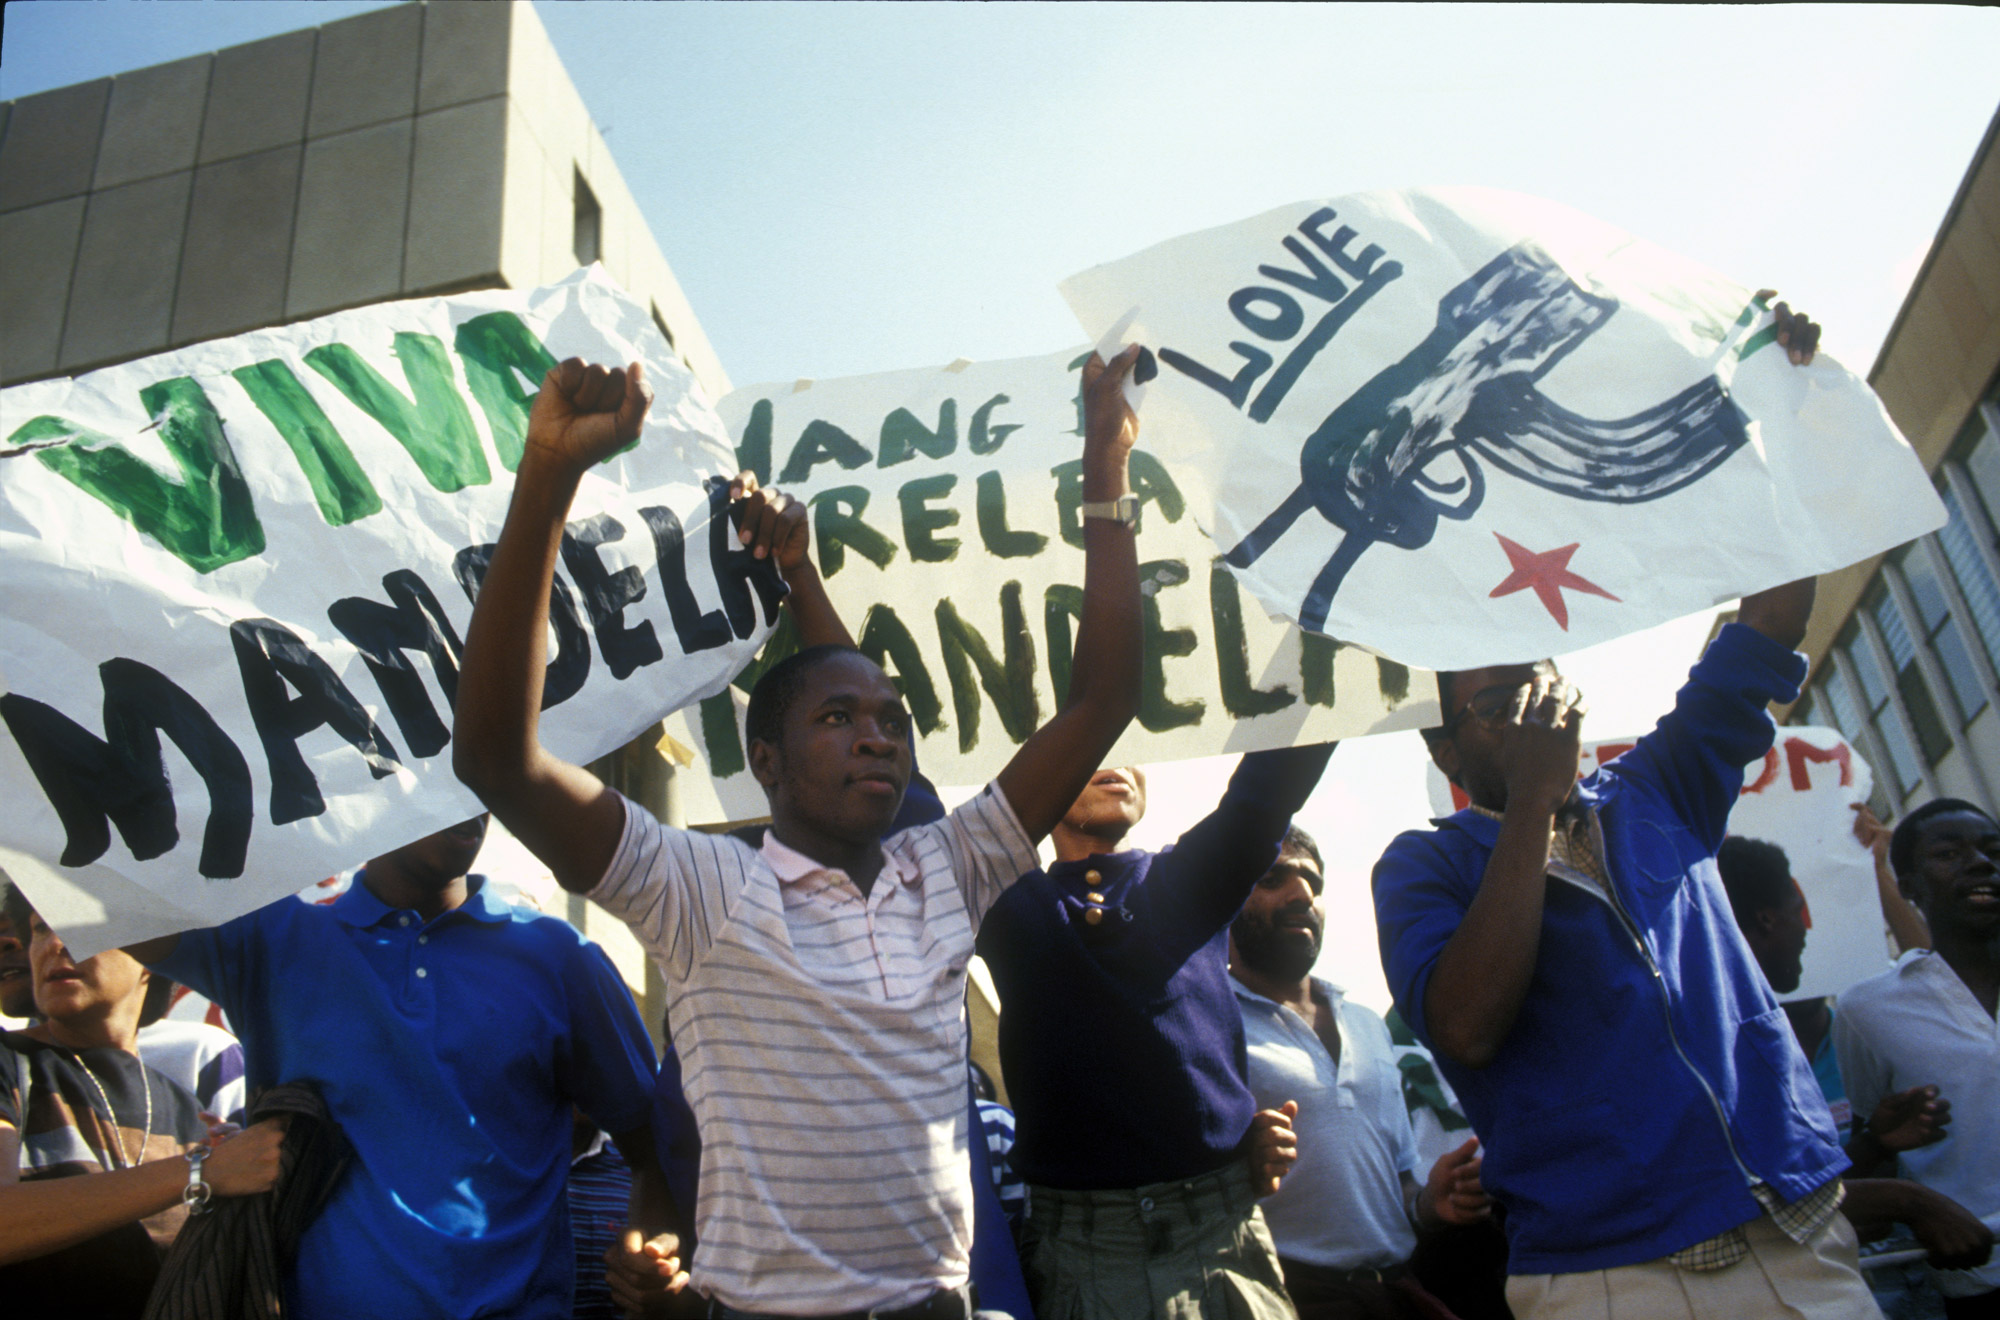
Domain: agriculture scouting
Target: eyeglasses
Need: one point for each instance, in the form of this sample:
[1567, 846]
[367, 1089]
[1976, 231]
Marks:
[1488, 705]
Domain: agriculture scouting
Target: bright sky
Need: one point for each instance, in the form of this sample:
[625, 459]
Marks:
[845, 189]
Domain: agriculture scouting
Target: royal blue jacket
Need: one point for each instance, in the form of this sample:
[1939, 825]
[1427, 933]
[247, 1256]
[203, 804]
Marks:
[1650, 1075]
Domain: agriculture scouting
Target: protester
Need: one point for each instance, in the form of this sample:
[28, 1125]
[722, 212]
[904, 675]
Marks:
[1347, 1217]
[1770, 910]
[1568, 951]
[450, 1036]
[1112, 969]
[1929, 1022]
[998, 1197]
[92, 1179]
[850, 1188]
[809, 620]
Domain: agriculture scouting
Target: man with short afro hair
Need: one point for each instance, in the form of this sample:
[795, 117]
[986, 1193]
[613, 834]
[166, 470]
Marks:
[823, 974]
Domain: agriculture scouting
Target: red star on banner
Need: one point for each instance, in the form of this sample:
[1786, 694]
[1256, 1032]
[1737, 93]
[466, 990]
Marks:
[1546, 574]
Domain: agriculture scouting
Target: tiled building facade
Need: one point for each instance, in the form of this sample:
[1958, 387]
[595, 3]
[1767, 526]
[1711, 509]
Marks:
[419, 149]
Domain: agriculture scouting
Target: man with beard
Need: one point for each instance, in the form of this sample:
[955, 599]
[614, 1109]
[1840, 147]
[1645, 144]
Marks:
[1929, 1021]
[450, 1036]
[1347, 1216]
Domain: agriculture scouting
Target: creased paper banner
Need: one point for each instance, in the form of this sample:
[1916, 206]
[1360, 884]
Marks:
[1465, 427]
[239, 575]
[945, 511]
[1800, 796]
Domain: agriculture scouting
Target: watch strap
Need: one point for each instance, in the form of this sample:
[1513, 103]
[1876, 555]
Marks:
[1124, 509]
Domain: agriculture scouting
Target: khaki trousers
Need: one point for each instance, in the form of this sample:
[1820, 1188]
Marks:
[1818, 1281]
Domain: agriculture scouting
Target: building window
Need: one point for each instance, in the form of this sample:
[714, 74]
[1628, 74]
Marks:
[1870, 697]
[661, 323]
[1918, 703]
[1956, 539]
[1940, 630]
[1979, 454]
[587, 236]
[1833, 695]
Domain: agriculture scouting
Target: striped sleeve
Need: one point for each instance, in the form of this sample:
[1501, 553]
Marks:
[986, 845]
[674, 888]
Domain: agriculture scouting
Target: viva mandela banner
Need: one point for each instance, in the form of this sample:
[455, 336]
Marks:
[240, 573]
[945, 513]
[1463, 427]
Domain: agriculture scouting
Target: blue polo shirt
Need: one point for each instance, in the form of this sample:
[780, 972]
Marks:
[450, 1052]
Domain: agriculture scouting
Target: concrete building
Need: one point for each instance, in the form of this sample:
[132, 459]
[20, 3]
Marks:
[422, 149]
[1905, 647]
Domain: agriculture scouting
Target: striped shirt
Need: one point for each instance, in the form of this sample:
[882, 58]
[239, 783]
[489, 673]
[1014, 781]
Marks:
[84, 1112]
[997, 1122]
[823, 1038]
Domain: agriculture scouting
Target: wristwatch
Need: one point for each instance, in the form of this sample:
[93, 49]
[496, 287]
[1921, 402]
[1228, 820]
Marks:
[196, 1194]
[1124, 509]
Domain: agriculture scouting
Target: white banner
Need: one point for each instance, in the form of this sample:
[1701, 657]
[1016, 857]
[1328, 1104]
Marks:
[944, 507]
[1801, 796]
[1467, 427]
[239, 575]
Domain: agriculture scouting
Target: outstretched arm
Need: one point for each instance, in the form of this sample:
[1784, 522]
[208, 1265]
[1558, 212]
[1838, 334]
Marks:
[1055, 763]
[1953, 1235]
[564, 815]
[1904, 921]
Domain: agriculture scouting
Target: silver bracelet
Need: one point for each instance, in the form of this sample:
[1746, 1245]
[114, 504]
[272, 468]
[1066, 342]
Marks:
[195, 1196]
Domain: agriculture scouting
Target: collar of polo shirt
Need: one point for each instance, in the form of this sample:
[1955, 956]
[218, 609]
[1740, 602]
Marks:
[793, 867]
[359, 907]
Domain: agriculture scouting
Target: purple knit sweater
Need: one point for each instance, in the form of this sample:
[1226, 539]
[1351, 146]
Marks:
[1121, 1041]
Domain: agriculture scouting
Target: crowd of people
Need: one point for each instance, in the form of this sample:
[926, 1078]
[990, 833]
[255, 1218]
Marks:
[444, 1105]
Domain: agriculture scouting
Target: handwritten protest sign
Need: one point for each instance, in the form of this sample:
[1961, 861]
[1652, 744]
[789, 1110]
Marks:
[240, 573]
[945, 512]
[1465, 427]
[1800, 796]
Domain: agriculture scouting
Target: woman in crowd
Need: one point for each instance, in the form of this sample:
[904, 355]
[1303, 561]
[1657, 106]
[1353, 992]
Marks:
[99, 1154]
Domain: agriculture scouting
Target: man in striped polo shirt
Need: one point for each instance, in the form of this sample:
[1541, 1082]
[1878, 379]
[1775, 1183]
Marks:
[816, 983]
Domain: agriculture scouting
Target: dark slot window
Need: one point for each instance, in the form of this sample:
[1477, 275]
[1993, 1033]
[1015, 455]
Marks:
[588, 233]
